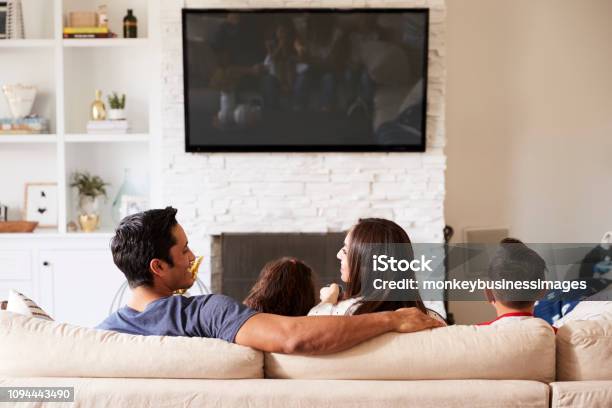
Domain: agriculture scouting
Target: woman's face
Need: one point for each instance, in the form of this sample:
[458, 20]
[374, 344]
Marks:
[342, 256]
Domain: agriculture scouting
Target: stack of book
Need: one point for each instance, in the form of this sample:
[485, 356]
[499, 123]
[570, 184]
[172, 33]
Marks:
[107, 126]
[31, 124]
[87, 32]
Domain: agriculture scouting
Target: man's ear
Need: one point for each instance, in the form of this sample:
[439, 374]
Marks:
[157, 266]
[489, 295]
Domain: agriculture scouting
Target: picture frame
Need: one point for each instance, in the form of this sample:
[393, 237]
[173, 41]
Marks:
[131, 204]
[41, 204]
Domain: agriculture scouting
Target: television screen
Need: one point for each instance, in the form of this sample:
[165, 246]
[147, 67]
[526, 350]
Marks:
[305, 80]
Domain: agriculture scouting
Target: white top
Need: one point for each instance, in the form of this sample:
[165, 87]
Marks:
[348, 307]
[339, 309]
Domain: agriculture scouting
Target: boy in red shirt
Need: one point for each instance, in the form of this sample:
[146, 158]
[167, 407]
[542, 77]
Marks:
[514, 261]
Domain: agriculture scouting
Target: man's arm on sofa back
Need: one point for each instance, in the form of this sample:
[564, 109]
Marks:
[326, 334]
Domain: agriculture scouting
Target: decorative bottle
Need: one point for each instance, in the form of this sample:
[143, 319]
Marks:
[130, 25]
[98, 110]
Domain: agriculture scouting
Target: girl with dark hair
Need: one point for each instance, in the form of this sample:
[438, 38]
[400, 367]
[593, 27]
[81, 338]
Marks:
[368, 236]
[284, 287]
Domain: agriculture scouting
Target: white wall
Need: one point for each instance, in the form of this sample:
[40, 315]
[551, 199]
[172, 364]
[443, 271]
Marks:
[529, 118]
[300, 192]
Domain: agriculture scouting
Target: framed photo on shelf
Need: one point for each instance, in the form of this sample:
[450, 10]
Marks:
[132, 204]
[41, 204]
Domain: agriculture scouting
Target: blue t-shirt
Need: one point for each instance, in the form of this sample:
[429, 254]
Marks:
[213, 316]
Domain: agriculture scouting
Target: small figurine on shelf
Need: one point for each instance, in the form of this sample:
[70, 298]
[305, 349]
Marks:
[117, 106]
[98, 110]
[130, 25]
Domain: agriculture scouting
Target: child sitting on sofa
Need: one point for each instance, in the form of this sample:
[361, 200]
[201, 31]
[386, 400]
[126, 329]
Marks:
[514, 261]
[284, 287]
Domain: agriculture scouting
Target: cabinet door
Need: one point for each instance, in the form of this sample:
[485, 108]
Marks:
[81, 283]
[15, 272]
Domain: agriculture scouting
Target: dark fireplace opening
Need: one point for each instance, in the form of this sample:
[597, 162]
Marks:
[237, 259]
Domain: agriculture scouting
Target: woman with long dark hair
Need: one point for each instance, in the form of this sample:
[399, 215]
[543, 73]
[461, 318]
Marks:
[365, 239]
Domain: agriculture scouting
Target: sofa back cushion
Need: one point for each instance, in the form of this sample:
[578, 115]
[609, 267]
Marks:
[31, 347]
[521, 351]
[584, 350]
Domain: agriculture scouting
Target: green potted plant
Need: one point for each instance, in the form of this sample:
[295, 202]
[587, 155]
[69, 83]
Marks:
[117, 106]
[90, 189]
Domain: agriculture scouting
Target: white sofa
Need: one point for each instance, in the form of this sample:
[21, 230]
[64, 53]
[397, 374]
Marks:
[514, 365]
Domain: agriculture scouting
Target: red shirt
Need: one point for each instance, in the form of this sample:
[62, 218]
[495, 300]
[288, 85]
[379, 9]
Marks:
[508, 317]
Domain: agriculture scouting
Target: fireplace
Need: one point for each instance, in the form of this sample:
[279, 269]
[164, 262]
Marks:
[237, 258]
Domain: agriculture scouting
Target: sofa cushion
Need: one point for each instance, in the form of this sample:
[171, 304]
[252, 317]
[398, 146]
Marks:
[581, 394]
[21, 304]
[134, 392]
[590, 310]
[521, 351]
[35, 347]
[584, 350]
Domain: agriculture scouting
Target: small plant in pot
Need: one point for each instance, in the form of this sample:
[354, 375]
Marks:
[90, 189]
[117, 106]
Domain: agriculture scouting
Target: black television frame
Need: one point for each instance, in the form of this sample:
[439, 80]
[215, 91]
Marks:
[190, 148]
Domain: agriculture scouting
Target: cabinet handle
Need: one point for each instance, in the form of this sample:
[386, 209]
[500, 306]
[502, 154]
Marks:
[45, 263]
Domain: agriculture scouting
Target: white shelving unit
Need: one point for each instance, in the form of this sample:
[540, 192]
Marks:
[67, 72]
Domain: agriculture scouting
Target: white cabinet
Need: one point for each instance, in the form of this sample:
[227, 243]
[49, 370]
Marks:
[82, 285]
[72, 277]
[15, 272]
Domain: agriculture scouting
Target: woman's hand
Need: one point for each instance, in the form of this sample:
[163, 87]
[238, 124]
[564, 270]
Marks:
[329, 294]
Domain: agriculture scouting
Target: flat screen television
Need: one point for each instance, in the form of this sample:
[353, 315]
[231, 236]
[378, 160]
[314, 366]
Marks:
[305, 80]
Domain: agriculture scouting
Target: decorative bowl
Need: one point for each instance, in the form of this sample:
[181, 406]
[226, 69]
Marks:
[17, 226]
[20, 99]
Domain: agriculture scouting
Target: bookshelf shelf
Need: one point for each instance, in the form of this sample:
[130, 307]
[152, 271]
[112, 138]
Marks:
[105, 42]
[107, 138]
[27, 43]
[31, 138]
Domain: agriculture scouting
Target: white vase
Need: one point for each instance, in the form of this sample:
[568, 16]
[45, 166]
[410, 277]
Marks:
[89, 205]
[116, 114]
[20, 99]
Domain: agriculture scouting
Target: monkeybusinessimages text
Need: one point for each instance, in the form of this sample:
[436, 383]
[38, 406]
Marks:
[385, 263]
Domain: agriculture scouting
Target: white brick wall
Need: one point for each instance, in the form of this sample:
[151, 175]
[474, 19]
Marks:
[301, 192]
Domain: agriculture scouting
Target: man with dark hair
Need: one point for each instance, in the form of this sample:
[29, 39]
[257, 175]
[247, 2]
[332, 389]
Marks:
[151, 249]
[514, 262]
